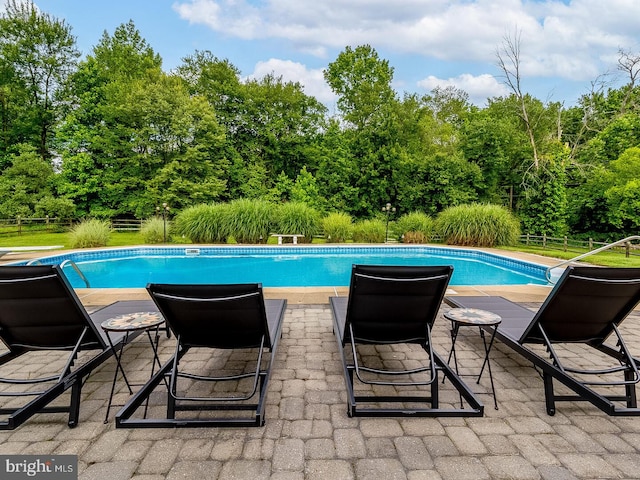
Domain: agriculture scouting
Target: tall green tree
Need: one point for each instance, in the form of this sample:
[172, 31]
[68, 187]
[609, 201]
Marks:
[215, 79]
[432, 172]
[271, 126]
[337, 172]
[362, 82]
[368, 107]
[37, 55]
[277, 125]
[543, 206]
[102, 163]
[184, 139]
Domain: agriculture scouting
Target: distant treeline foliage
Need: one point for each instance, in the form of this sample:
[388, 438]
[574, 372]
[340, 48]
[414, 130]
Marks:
[112, 135]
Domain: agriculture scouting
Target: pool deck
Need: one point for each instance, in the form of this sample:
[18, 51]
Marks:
[309, 436]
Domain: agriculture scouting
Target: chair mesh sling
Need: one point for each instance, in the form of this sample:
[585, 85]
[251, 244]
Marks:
[586, 306]
[395, 305]
[212, 317]
[40, 312]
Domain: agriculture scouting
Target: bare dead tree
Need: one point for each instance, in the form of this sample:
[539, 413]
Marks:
[508, 55]
[629, 64]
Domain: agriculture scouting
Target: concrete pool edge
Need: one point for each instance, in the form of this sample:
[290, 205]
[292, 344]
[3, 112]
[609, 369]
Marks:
[320, 295]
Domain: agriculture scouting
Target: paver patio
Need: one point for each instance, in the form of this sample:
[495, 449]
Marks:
[309, 436]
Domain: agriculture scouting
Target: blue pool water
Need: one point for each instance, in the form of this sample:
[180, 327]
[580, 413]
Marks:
[286, 266]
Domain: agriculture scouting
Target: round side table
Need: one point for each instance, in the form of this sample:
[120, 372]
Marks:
[473, 317]
[129, 324]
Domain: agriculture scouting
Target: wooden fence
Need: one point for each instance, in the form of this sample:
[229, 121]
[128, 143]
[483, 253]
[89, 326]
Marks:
[18, 226]
[578, 246]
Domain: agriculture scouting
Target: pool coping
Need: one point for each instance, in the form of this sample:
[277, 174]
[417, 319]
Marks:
[530, 265]
[319, 295]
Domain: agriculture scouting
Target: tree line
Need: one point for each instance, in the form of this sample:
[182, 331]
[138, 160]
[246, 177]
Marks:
[113, 135]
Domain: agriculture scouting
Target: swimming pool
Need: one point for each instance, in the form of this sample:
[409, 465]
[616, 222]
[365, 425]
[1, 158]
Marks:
[284, 266]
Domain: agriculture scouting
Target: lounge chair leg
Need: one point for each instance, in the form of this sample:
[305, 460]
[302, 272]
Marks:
[632, 401]
[171, 405]
[350, 401]
[548, 393]
[74, 405]
[435, 399]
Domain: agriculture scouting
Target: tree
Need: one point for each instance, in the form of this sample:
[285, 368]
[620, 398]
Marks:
[217, 80]
[276, 125]
[102, 165]
[491, 142]
[37, 55]
[603, 104]
[509, 62]
[629, 63]
[305, 190]
[434, 183]
[337, 171]
[623, 196]
[362, 82]
[368, 105]
[588, 210]
[194, 169]
[620, 133]
[24, 183]
[543, 208]
[271, 126]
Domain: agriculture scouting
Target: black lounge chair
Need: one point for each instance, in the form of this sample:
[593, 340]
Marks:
[214, 317]
[586, 306]
[39, 311]
[396, 305]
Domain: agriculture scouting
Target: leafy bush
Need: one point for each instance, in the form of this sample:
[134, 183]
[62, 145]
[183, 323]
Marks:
[478, 225]
[369, 231]
[414, 227]
[337, 227]
[205, 223]
[250, 220]
[90, 233]
[55, 207]
[153, 230]
[297, 217]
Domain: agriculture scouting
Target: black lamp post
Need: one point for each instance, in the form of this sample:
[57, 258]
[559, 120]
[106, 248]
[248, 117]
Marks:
[388, 209]
[165, 213]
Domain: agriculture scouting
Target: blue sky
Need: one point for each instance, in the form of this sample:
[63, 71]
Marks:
[566, 45]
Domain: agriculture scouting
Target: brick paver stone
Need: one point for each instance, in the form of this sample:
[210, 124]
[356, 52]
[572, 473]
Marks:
[308, 435]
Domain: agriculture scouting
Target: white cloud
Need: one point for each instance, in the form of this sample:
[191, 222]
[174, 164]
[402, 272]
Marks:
[233, 17]
[478, 87]
[567, 39]
[311, 79]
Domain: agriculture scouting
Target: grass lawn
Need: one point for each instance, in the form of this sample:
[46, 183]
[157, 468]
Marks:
[118, 239]
[123, 239]
[607, 258]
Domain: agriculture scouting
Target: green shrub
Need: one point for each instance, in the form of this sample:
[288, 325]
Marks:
[153, 230]
[55, 207]
[90, 233]
[297, 218]
[414, 227]
[369, 231]
[205, 223]
[337, 227]
[250, 220]
[478, 225]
